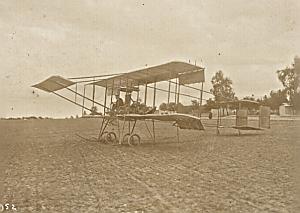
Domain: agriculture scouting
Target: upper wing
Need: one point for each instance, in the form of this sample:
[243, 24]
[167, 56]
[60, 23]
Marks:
[183, 121]
[188, 73]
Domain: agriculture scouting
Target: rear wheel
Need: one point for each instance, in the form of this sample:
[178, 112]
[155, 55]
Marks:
[102, 137]
[125, 138]
[111, 137]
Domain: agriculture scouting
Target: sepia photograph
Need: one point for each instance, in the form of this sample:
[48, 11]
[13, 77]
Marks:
[144, 106]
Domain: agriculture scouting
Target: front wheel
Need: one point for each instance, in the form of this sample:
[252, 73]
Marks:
[134, 140]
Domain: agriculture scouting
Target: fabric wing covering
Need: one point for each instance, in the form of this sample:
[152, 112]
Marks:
[54, 83]
[150, 75]
[183, 121]
[192, 77]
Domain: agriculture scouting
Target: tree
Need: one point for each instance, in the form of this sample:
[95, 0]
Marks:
[250, 98]
[275, 100]
[222, 87]
[210, 104]
[290, 81]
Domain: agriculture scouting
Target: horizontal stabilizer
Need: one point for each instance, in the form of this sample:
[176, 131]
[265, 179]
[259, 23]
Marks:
[54, 83]
[246, 128]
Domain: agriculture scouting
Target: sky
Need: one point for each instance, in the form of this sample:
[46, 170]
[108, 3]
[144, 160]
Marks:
[247, 40]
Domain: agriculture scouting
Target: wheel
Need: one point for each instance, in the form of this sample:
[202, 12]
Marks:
[134, 140]
[111, 137]
[102, 137]
[125, 138]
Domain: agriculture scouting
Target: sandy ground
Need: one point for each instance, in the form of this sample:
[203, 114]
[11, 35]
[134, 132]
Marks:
[45, 167]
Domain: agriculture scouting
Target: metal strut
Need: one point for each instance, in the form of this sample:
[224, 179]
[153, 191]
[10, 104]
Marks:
[74, 102]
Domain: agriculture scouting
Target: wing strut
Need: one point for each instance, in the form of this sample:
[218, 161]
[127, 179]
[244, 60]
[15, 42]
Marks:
[74, 102]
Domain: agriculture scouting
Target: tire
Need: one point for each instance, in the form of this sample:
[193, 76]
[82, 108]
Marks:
[125, 138]
[134, 140]
[103, 137]
[111, 137]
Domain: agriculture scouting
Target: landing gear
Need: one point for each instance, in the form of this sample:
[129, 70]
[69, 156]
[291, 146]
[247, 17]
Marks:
[131, 139]
[110, 137]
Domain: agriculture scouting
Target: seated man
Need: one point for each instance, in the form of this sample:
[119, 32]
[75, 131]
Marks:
[151, 110]
[128, 99]
[119, 103]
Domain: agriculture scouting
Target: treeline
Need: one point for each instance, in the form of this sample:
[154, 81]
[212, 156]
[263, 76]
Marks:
[26, 118]
[290, 93]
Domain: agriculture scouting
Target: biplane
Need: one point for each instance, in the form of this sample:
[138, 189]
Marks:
[242, 108]
[132, 109]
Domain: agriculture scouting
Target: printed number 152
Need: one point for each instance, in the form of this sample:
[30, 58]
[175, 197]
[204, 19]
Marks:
[7, 207]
